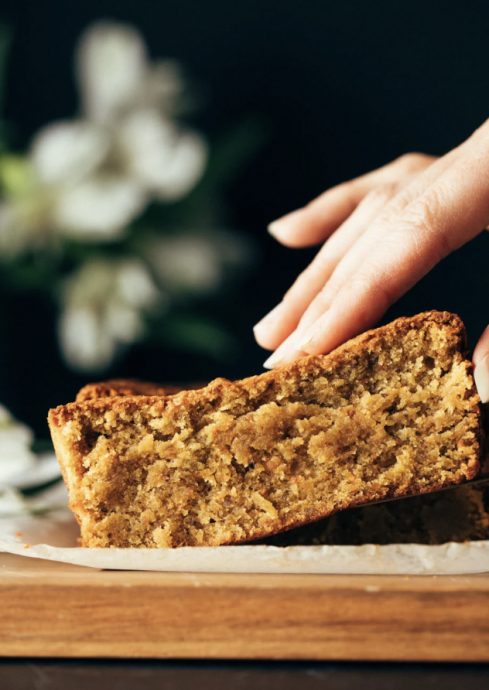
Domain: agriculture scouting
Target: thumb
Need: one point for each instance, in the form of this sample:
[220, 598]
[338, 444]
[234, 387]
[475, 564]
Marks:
[481, 364]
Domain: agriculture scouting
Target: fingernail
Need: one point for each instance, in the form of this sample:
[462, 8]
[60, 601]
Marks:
[269, 319]
[272, 361]
[482, 348]
[280, 360]
[278, 356]
[481, 376]
[307, 342]
[308, 338]
[280, 228]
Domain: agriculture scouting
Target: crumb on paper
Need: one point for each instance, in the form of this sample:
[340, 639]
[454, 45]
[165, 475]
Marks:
[18, 534]
[27, 546]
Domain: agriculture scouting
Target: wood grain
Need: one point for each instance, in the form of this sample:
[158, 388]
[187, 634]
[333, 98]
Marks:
[50, 609]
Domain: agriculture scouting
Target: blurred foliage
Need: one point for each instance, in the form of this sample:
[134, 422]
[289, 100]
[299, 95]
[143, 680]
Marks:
[117, 216]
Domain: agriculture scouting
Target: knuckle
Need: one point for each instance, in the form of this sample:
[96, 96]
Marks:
[384, 192]
[326, 295]
[379, 201]
[410, 162]
[383, 219]
[423, 219]
[372, 287]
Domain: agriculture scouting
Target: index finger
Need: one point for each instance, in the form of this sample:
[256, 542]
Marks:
[315, 222]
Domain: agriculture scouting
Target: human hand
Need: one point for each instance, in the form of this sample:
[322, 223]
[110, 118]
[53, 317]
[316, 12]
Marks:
[386, 230]
[481, 363]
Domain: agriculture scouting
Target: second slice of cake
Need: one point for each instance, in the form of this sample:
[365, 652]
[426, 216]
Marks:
[391, 413]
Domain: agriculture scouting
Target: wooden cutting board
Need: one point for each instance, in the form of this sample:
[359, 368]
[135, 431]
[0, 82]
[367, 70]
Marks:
[55, 610]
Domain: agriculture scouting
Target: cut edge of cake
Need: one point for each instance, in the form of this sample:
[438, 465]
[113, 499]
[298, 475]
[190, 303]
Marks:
[73, 467]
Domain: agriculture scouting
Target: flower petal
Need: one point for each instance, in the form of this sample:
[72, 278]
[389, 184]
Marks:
[104, 304]
[136, 286]
[90, 286]
[186, 169]
[65, 152]
[163, 87]
[15, 447]
[111, 65]
[99, 208]
[167, 162]
[12, 503]
[86, 345]
[25, 224]
[123, 323]
[188, 262]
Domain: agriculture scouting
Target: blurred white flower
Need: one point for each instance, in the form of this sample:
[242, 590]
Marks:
[114, 73]
[66, 152]
[196, 261]
[99, 207]
[104, 303]
[166, 162]
[21, 226]
[93, 176]
[88, 179]
[16, 456]
[14, 504]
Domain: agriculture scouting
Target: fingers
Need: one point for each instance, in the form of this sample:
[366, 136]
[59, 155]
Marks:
[281, 322]
[452, 211]
[342, 255]
[370, 240]
[482, 348]
[284, 319]
[371, 261]
[318, 220]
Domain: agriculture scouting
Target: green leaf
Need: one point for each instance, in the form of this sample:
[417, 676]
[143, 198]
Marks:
[16, 175]
[197, 334]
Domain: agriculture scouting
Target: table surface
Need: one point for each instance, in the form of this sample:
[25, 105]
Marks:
[50, 609]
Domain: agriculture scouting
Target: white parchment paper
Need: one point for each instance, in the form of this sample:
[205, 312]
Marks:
[54, 537]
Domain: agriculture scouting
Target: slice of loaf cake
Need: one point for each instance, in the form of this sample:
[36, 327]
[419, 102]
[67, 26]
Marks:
[391, 413]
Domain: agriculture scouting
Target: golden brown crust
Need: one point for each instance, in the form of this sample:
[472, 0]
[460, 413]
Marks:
[130, 387]
[257, 392]
[215, 388]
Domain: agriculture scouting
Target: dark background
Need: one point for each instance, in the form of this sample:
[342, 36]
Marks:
[340, 87]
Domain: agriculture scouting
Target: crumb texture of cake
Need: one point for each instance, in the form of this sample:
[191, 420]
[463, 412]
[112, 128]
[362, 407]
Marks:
[459, 515]
[391, 413]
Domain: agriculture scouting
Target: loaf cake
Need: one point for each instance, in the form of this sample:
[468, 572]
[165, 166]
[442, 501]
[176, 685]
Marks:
[460, 514]
[391, 413]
